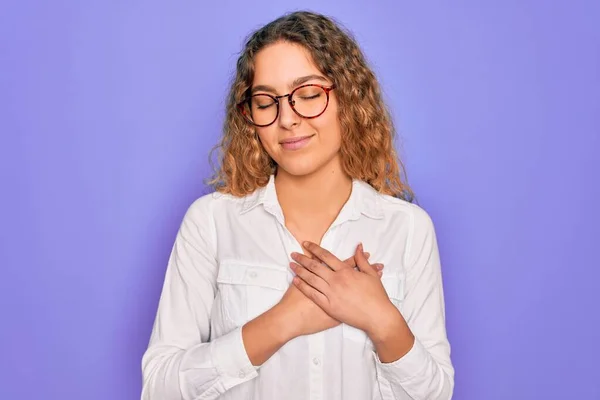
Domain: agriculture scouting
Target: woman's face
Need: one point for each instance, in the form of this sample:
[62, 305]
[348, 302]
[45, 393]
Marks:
[279, 69]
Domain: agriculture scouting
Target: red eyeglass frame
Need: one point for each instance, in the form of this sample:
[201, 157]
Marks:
[241, 104]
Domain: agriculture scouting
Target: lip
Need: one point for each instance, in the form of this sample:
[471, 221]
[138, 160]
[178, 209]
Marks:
[295, 143]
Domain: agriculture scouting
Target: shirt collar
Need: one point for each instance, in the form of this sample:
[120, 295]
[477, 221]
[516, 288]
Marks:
[364, 199]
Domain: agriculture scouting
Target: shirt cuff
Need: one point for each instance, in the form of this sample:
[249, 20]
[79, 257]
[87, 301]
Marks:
[231, 360]
[406, 367]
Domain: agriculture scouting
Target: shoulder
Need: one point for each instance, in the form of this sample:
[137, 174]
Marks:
[421, 239]
[419, 219]
[215, 203]
[203, 215]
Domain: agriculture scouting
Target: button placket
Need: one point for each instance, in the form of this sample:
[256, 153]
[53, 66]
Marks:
[315, 348]
[316, 342]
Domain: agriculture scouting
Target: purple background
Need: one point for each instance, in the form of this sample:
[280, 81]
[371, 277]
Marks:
[107, 113]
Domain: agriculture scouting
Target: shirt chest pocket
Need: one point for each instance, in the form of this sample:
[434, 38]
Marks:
[246, 291]
[394, 286]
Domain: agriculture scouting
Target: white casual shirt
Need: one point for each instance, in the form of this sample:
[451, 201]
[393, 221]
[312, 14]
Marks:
[230, 263]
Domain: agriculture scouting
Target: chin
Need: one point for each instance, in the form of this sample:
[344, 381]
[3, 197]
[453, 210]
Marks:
[306, 164]
[298, 171]
[300, 167]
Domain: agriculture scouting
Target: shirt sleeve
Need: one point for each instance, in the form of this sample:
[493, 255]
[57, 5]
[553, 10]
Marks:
[426, 371]
[182, 362]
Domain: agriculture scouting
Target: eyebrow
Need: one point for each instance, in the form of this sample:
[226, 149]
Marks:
[296, 82]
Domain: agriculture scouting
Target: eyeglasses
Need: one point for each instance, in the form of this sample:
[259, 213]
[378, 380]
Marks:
[307, 101]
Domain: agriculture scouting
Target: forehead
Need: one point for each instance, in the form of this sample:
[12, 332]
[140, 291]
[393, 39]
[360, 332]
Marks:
[279, 64]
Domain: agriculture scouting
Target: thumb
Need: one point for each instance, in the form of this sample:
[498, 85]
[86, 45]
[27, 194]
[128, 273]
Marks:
[362, 263]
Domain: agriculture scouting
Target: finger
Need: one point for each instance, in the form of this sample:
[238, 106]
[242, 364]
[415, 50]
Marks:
[332, 261]
[362, 262]
[351, 261]
[313, 265]
[310, 278]
[313, 294]
[378, 268]
[308, 253]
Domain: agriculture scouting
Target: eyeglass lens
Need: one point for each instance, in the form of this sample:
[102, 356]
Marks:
[307, 101]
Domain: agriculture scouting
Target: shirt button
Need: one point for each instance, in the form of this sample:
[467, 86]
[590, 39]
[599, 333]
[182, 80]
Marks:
[316, 361]
[242, 374]
[252, 274]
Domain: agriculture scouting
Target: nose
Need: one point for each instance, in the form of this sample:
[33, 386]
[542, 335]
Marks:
[287, 116]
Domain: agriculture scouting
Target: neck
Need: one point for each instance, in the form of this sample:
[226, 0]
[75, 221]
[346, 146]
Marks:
[322, 193]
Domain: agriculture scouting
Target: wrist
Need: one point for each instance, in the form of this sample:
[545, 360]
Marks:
[283, 325]
[392, 338]
[389, 323]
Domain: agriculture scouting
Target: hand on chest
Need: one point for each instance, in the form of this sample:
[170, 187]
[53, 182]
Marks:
[249, 285]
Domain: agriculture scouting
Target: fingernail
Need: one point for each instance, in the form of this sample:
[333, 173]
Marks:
[360, 247]
[380, 273]
[379, 267]
[367, 255]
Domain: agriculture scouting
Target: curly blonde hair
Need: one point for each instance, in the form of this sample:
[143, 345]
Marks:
[367, 149]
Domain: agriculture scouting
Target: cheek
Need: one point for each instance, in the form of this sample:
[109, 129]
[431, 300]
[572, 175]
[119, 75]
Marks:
[332, 121]
[329, 129]
[268, 138]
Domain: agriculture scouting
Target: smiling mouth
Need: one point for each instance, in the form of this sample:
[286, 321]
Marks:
[295, 143]
[295, 140]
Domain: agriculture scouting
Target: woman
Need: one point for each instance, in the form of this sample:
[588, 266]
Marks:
[268, 293]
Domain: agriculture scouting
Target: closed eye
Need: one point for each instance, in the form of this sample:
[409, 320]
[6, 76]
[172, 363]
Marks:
[311, 97]
[265, 106]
